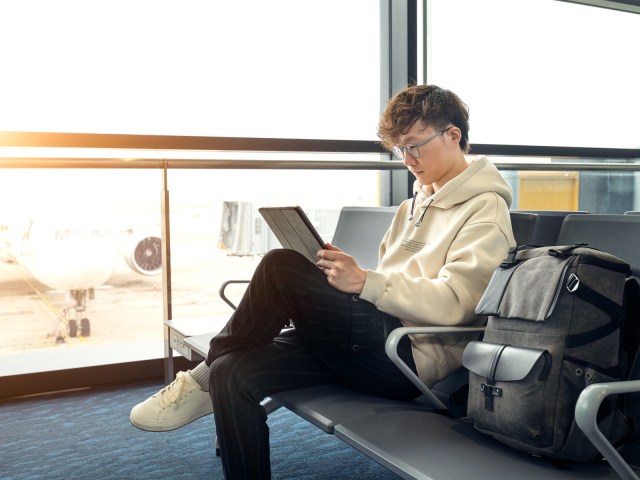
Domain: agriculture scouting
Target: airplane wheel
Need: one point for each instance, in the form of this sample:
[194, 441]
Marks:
[73, 328]
[85, 327]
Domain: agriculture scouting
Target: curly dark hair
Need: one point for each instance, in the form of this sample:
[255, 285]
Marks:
[436, 106]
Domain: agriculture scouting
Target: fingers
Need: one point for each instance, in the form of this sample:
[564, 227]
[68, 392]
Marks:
[327, 265]
[335, 266]
[325, 253]
[324, 263]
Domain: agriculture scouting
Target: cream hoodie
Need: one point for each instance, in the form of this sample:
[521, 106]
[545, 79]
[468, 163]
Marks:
[437, 258]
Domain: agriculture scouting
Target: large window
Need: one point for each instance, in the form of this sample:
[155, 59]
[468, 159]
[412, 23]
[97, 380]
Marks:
[80, 281]
[543, 72]
[255, 68]
[539, 72]
[252, 68]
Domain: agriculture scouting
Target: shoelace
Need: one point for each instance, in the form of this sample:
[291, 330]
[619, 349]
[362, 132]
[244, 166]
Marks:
[173, 392]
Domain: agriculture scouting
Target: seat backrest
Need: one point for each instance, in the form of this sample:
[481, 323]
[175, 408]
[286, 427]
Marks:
[549, 225]
[360, 230]
[524, 226]
[615, 234]
[618, 235]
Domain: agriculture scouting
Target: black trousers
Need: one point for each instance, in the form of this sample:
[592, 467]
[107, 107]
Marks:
[337, 338]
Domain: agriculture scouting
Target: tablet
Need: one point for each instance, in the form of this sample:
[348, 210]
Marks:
[294, 230]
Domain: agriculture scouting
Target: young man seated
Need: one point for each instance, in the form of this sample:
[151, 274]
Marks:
[435, 261]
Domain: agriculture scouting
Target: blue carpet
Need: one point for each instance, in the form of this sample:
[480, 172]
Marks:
[86, 435]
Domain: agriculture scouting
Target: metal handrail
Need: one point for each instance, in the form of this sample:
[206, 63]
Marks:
[251, 164]
[246, 144]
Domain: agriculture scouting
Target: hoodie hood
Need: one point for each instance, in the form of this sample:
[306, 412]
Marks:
[436, 273]
[480, 177]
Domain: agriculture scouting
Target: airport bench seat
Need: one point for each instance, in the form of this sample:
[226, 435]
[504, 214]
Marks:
[416, 440]
[427, 445]
[549, 224]
[325, 406]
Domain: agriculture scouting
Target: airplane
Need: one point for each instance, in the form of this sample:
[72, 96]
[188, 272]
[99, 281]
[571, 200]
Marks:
[77, 254]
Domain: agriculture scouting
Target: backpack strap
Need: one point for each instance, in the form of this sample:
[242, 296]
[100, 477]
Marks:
[525, 252]
[632, 400]
[611, 308]
[631, 341]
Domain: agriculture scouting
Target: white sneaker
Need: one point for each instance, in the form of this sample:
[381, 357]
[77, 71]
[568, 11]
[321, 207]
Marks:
[177, 404]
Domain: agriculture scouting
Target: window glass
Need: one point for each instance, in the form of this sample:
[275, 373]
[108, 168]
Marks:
[539, 72]
[251, 68]
[73, 291]
[80, 258]
[604, 192]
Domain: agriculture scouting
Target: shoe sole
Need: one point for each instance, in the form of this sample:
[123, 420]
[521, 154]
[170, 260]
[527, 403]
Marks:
[164, 427]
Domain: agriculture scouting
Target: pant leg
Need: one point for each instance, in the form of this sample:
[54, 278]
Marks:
[362, 364]
[275, 295]
[341, 339]
[239, 381]
[286, 288]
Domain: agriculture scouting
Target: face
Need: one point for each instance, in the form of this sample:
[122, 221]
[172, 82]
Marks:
[440, 159]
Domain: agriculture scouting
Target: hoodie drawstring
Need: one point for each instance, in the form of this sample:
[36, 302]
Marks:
[419, 222]
[413, 204]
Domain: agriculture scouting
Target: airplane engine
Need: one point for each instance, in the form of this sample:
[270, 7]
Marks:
[143, 253]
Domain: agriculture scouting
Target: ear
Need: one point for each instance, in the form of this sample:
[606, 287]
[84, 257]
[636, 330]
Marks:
[454, 134]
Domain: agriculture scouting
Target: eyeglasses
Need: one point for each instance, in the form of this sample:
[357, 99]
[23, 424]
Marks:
[412, 149]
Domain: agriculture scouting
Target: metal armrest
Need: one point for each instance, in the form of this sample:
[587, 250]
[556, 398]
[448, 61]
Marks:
[586, 411]
[391, 348]
[224, 286]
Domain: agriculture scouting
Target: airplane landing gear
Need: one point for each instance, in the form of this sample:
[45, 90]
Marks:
[73, 328]
[85, 327]
[80, 297]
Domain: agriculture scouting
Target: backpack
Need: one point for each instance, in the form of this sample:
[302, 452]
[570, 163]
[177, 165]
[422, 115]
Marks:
[554, 327]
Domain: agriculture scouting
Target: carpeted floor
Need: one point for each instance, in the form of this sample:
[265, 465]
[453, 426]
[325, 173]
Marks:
[86, 435]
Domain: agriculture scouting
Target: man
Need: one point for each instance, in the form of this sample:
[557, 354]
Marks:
[435, 262]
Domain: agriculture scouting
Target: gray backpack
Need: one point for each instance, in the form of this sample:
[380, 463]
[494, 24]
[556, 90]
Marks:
[554, 327]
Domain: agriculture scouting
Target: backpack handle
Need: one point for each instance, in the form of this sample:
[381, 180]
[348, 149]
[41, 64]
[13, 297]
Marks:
[565, 251]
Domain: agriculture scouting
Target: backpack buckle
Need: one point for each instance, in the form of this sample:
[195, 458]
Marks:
[510, 261]
[490, 391]
[573, 282]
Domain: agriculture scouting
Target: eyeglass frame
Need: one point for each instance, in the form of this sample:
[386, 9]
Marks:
[400, 151]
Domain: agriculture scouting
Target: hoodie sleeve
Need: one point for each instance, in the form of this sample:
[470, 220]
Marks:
[451, 297]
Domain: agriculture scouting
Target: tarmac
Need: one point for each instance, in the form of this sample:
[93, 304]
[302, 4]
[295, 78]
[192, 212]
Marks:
[126, 314]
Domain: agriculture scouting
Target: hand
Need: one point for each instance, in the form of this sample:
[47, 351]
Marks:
[341, 270]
